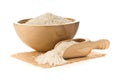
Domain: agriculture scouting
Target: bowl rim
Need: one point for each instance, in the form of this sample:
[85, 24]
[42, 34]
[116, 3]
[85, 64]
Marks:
[18, 22]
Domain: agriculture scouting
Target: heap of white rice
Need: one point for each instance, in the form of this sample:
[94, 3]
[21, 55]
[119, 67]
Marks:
[55, 56]
[48, 19]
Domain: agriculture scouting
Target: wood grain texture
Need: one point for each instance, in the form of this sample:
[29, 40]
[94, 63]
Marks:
[30, 56]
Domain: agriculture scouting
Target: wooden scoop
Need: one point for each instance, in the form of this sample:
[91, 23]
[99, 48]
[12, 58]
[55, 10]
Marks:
[83, 48]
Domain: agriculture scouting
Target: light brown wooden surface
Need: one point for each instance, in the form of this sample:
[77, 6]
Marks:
[30, 56]
[44, 37]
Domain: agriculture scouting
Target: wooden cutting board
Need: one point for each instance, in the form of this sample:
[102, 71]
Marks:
[30, 56]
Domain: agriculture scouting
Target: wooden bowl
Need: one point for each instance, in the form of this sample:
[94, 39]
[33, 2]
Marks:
[44, 37]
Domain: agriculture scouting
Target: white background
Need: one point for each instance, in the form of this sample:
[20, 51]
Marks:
[98, 19]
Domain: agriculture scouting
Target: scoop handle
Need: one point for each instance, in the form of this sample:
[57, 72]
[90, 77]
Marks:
[99, 44]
